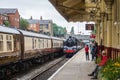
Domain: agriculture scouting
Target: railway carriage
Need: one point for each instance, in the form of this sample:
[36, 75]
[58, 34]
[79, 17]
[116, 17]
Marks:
[34, 44]
[19, 49]
[10, 49]
[57, 46]
[9, 45]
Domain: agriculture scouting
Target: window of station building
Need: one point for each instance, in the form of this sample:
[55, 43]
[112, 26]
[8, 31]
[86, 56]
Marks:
[9, 42]
[41, 24]
[34, 25]
[47, 26]
[1, 42]
[5, 18]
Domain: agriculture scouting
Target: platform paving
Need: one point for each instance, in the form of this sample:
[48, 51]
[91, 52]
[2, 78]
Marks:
[77, 68]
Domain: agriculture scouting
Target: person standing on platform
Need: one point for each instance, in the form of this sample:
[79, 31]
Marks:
[87, 52]
[96, 50]
[93, 48]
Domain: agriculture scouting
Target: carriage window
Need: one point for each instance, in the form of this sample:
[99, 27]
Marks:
[47, 43]
[1, 45]
[9, 45]
[39, 41]
[1, 37]
[55, 44]
[32, 43]
[9, 42]
[35, 44]
[1, 42]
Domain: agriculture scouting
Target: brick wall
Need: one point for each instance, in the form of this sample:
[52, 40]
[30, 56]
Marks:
[14, 19]
[34, 27]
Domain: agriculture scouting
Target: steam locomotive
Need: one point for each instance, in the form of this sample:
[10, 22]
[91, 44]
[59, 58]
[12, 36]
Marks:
[19, 49]
[71, 46]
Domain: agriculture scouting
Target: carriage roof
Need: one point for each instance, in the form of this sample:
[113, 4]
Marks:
[28, 33]
[57, 38]
[9, 30]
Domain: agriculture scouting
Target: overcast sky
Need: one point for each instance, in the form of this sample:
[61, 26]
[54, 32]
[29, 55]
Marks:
[44, 8]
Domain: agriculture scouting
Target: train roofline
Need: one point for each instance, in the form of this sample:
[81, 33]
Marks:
[28, 33]
[4, 29]
[57, 38]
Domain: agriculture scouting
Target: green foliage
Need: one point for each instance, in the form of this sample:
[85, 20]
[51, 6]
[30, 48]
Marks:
[6, 23]
[23, 23]
[111, 70]
[72, 30]
[98, 59]
[65, 30]
[58, 30]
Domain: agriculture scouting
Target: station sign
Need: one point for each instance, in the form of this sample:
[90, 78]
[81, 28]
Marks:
[89, 26]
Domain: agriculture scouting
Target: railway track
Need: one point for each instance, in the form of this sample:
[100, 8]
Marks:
[36, 72]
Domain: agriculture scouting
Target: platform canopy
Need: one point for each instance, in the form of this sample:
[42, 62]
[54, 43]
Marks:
[75, 10]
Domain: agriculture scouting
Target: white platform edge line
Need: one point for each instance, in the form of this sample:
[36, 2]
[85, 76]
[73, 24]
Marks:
[59, 69]
[50, 78]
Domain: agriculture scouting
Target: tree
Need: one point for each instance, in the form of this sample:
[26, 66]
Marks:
[65, 30]
[23, 24]
[55, 29]
[31, 17]
[58, 30]
[72, 30]
[6, 23]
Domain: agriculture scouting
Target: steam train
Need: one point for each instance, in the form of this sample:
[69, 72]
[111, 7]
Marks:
[71, 46]
[19, 49]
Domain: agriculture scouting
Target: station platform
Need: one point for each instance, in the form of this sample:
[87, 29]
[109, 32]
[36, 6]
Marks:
[77, 68]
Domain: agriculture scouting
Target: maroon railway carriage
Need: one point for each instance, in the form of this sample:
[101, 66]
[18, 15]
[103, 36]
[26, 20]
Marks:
[19, 49]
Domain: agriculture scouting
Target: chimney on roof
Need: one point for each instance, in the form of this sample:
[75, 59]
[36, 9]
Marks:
[41, 18]
[31, 17]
